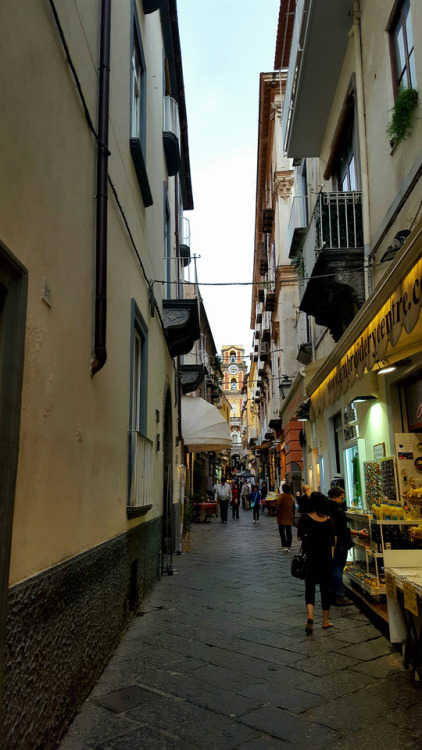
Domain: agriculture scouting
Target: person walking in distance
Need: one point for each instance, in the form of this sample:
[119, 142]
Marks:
[316, 532]
[344, 542]
[285, 511]
[255, 503]
[235, 500]
[264, 493]
[303, 500]
[223, 495]
[246, 495]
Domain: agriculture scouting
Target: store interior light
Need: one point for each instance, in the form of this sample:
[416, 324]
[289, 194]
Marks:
[384, 370]
[361, 399]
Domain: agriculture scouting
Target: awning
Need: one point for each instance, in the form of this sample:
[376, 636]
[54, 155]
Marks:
[203, 426]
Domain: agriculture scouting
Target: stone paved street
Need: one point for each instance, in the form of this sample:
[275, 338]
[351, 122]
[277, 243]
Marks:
[220, 660]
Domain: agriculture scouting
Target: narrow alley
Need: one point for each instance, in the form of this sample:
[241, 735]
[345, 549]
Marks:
[220, 660]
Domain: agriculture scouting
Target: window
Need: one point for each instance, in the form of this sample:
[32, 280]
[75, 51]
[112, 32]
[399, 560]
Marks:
[232, 356]
[167, 246]
[138, 113]
[346, 164]
[401, 46]
[233, 384]
[140, 447]
[138, 89]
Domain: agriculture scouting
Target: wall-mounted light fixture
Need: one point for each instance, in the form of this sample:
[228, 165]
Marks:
[385, 366]
[396, 244]
[284, 385]
[361, 399]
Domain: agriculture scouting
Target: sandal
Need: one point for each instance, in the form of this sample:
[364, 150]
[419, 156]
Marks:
[325, 627]
[309, 629]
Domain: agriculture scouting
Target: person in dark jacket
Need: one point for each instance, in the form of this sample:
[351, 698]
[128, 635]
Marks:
[344, 542]
[303, 500]
[316, 532]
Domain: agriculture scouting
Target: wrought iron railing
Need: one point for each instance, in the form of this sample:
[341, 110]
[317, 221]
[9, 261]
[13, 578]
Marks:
[336, 223]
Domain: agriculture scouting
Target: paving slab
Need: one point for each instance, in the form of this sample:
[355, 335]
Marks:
[221, 648]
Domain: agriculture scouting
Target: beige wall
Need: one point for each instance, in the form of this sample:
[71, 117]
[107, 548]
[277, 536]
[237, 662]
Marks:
[72, 475]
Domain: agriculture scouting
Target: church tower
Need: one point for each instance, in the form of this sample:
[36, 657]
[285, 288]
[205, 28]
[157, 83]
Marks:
[234, 370]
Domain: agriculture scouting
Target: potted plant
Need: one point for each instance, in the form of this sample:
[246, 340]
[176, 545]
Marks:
[403, 117]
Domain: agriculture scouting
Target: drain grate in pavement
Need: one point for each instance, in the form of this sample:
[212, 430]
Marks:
[125, 698]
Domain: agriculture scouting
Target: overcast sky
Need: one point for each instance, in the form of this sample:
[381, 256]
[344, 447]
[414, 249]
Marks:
[225, 44]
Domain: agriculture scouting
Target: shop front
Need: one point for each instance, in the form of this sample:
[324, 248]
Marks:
[366, 423]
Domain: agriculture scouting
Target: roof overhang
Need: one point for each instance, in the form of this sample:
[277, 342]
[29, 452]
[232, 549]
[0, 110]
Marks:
[316, 60]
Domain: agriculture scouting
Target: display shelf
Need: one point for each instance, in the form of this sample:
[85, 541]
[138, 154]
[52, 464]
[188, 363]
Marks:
[407, 522]
[374, 554]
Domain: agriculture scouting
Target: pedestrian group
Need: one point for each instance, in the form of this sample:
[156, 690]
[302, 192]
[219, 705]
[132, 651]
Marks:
[322, 530]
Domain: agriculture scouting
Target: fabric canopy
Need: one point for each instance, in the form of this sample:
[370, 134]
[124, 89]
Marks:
[203, 426]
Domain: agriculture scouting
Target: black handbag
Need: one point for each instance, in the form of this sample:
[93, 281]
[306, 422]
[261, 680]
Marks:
[299, 567]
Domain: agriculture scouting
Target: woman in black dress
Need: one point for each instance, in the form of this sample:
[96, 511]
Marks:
[316, 531]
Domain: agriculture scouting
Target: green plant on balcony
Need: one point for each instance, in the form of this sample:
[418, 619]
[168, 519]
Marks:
[298, 263]
[403, 115]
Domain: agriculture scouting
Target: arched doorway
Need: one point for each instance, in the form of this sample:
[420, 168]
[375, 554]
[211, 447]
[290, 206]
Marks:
[167, 520]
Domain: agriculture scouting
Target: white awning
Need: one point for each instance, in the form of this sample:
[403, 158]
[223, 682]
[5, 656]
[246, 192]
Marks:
[203, 426]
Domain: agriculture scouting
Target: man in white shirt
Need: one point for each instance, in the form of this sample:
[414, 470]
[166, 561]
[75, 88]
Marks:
[223, 495]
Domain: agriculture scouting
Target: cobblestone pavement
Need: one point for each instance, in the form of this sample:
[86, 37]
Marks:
[220, 660]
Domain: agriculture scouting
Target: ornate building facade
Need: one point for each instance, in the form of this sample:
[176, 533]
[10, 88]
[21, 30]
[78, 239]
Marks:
[234, 369]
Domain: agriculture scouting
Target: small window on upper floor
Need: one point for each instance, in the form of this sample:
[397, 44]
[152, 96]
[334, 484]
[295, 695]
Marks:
[232, 356]
[138, 86]
[402, 49]
[346, 163]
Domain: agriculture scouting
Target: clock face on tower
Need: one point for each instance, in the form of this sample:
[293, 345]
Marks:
[233, 369]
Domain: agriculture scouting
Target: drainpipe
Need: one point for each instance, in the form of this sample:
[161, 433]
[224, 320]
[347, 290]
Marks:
[357, 38]
[100, 352]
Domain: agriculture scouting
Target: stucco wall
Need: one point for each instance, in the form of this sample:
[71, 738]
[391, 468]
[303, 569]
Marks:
[72, 482]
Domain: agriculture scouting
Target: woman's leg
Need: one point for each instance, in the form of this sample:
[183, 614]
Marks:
[310, 604]
[289, 536]
[324, 588]
[282, 530]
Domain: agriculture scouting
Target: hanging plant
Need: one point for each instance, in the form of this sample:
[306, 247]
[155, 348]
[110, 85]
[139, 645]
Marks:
[403, 118]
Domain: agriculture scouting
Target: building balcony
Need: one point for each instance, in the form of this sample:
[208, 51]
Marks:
[263, 260]
[191, 377]
[150, 6]
[298, 225]
[171, 134]
[319, 43]
[266, 326]
[181, 324]
[184, 240]
[334, 257]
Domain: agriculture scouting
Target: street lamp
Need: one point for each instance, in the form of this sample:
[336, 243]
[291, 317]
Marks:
[285, 385]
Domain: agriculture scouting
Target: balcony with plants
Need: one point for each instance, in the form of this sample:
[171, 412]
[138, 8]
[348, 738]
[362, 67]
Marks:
[332, 261]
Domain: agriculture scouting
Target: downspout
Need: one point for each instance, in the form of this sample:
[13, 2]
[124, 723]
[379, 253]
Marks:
[357, 38]
[100, 352]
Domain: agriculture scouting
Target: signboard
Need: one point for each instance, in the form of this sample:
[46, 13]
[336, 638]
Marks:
[400, 311]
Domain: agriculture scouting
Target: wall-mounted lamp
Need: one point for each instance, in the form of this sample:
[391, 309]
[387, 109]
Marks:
[396, 244]
[385, 366]
[303, 413]
[361, 399]
[285, 385]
